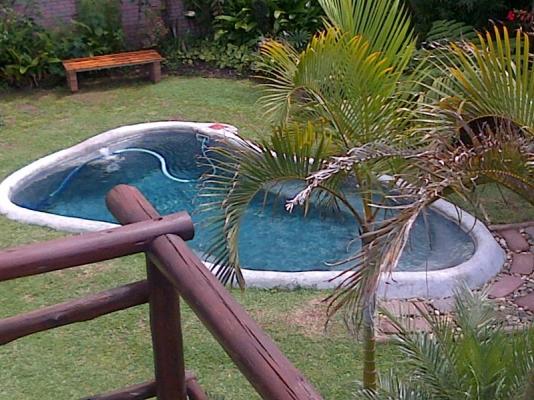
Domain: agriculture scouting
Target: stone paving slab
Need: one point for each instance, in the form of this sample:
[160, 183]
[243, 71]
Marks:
[527, 302]
[417, 324]
[514, 240]
[403, 308]
[444, 306]
[385, 326]
[504, 286]
[522, 264]
[518, 310]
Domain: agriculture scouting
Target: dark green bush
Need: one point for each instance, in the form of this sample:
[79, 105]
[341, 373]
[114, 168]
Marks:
[240, 58]
[29, 53]
[234, 28]
[476, 13]
[96, 30]
[246, 22]
[26, 50]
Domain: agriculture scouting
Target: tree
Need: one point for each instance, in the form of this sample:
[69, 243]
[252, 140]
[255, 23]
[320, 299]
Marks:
[345, 108]
[477, 124]
[344, 90]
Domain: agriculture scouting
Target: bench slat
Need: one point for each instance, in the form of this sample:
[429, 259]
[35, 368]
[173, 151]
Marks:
[112, 60]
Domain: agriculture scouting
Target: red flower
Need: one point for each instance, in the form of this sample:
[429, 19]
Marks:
[511, 16]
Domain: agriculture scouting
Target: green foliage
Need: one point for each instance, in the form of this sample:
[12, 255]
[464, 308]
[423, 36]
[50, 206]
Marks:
[236, 27]
[450, 31]
[216, 55]
[346, 83]
[468, 357]
[248, 21]
[26, 50]
[29, 53]
[97, 30]
[352, 79]
[472, 12]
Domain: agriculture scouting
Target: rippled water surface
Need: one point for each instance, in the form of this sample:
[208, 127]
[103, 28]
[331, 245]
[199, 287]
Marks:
[271, 239]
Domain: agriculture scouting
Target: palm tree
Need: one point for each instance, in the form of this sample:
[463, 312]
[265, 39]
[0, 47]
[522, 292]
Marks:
[477, 126]
[468, 357]
[345, 108]
[346, 89]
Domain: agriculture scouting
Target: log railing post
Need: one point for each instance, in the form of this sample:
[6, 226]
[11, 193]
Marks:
[255, 354]
[166, 330]
[165, 322]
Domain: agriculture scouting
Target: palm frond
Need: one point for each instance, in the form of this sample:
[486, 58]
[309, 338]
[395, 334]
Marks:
[446, 31]
[492, 77]
[467, 357]
[337, 79]
[444, 166]
[243, 172]
[385, 24]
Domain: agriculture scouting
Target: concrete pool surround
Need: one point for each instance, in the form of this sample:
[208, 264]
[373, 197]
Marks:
[485, 263]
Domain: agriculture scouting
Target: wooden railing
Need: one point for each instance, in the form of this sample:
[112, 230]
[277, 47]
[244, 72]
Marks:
[173, 272]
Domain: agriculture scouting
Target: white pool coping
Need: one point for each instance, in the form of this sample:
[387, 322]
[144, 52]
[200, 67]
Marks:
[485, 263]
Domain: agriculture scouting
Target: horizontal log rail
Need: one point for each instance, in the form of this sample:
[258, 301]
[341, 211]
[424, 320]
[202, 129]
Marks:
[173, 272]
[254, 353]
[89, 248]
[147, 390]
[69, 312]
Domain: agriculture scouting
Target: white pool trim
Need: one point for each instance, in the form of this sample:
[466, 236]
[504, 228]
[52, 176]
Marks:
[485, 263]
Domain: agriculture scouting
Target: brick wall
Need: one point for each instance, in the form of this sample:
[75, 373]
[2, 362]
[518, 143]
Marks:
[52, 13]
[49, 13]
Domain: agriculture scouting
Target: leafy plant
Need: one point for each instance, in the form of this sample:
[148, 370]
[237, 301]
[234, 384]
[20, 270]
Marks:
[26, 49]
[342, 91]
[450, 31]
[248, 21]
[240, 58]
[471, 127]
[96, 30]
[476, 13]
[467, 357]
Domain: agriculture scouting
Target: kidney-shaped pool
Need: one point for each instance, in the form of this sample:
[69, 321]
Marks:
[67, 191]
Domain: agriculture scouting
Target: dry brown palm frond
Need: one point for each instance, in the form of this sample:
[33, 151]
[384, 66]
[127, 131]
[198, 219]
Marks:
[492, 149]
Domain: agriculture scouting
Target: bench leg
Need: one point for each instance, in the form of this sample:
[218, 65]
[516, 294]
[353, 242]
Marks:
[72, 80]
[155, 72]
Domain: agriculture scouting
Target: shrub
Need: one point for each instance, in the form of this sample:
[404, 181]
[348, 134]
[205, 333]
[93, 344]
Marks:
[236, 27]
[472, 12]
[467, 356]
[26, 50]
[96, 30]
[224, 56]
[248, 21]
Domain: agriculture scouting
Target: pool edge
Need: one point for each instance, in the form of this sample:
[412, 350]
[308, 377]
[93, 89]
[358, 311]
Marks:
[485, 263]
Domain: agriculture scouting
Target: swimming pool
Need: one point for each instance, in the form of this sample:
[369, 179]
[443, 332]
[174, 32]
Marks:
[162, 160]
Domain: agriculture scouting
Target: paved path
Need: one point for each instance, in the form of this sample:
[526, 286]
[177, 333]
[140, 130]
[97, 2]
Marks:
[512, 290]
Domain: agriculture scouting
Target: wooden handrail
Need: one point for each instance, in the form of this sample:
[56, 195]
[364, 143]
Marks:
[90, 247]
[69, 312]
[147, 390]
[173, 271]
[254, 353]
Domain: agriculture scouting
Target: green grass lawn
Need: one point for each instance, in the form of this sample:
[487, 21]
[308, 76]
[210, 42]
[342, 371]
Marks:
[114, 351]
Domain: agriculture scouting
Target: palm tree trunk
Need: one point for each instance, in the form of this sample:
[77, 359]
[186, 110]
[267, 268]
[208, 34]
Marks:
[529, 391]
[369, 348]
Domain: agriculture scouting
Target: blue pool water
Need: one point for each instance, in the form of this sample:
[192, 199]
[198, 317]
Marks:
[271, 238]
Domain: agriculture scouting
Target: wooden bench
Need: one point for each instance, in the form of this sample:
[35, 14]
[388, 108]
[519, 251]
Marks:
[75, 65]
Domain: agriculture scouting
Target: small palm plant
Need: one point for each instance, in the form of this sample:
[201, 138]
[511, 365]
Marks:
[345, 111]
[469, 138]
[346, 89]
[469, 356]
